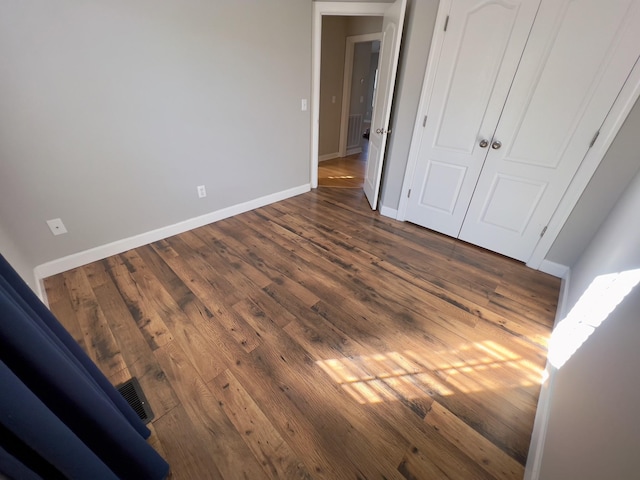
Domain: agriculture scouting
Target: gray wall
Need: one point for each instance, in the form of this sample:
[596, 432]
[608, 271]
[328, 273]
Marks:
[363, 25]
[593, 431]
[360, 80]
[334, 34]
[416, 42]
[16, 258]
[335, 30]
[111, 113]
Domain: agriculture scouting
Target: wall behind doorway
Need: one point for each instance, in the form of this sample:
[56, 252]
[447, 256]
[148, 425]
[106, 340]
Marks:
[335, 30]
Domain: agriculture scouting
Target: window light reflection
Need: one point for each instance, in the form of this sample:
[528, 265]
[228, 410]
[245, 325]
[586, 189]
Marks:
[411, 375]
[595, 305]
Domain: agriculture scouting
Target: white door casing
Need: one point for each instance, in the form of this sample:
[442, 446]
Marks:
[392, 25]
[478, 59]
[576, 61]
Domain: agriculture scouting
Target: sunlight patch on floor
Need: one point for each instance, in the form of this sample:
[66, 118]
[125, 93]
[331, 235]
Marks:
[389, 376]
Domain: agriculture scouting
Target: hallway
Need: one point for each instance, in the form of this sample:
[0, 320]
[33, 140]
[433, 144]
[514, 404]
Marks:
[346, 172]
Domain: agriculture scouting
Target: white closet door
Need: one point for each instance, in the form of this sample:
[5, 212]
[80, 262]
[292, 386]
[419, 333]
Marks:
[575, 63]
[482, 46]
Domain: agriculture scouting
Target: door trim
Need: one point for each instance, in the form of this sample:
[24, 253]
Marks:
[622, 106]
[346, 84]
[355, 9]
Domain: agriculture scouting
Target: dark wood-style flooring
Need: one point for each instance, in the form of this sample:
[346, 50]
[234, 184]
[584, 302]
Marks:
[314, 338]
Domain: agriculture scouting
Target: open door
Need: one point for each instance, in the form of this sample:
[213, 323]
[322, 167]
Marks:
[388, 66]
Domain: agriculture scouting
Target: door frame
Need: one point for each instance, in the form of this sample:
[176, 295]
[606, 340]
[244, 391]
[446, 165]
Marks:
[617, 115]
[346, 84]
[320, 9]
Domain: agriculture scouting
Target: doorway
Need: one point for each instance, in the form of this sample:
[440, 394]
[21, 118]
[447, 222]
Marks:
[348, 74]
[389, 18]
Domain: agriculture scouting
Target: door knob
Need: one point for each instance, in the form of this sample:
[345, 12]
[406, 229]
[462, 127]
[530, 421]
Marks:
[379, 131]
[496, 145]
[483, 143]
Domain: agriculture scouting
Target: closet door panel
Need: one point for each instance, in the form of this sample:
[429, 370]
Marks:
[480, 54]
[575, 63]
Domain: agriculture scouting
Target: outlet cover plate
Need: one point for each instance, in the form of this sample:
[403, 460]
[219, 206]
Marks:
[56, 226]
[202, 191]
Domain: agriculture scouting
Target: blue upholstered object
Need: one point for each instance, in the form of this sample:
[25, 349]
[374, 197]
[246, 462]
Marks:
[59, 416]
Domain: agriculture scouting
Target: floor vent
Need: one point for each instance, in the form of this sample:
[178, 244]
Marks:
[134, 396]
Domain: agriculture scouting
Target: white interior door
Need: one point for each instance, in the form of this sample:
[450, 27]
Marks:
[480, 52]
[387, 68]
[576, 61]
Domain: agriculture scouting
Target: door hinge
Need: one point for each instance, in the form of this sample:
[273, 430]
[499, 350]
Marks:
[544, 230]
[446, 23]
[424, 122]
[409, 194]
[593, 140]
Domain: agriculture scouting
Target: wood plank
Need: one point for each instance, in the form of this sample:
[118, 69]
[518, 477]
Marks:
[474, 445]
[60, 305]
[186, 447]
[100, 344]
[201, 293]
[148, 320]
[266, 443]
[288, 362]
[135, 349]
[183, 328]
[213, 428]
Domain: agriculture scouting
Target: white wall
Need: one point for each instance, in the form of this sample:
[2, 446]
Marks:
[593, 432]
[111, 113]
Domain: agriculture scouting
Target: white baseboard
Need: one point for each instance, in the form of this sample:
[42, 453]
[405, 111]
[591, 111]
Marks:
[353, 151]
[389, 212]
[98, 253]
[328, 156]
[541, 422]
[41, 292]
[552, 268]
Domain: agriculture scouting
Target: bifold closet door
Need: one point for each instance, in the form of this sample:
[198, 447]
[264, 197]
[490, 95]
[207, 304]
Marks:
[576, 61]
[480, 52]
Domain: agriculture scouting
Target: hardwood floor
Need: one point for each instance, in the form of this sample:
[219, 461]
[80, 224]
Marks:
[346, 172]
[314, 338]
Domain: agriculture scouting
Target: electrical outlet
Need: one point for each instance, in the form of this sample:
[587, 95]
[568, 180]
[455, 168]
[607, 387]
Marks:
[56, 226]
[304, 105]
[202, 191]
